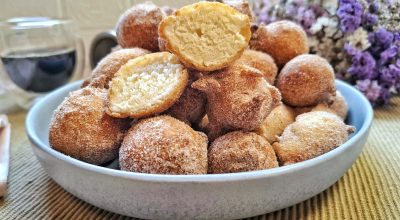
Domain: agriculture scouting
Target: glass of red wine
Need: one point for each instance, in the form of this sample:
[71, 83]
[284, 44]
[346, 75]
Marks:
[38, 55]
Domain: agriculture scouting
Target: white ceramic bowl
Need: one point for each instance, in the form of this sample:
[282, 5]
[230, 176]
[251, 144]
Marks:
[216, 196]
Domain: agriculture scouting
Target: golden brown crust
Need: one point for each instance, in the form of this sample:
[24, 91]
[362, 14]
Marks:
[313, 134]
[159, 105]
[164, 145]
[260, 61]
[240, 152]
[138, 27]
[109, 66]
[237, 98]
[276, 122]
[307, 80]
[81, 129]
[283, 40]
[203, 49]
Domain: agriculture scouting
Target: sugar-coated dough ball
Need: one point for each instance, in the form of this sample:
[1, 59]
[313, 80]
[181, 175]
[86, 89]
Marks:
[237, 98]
[240, 152]
[138, 26]
[311, 135]
[260, 61]
[164, 145]
[307, 80]
[191, 105]
[109, 65]
[80, 128]
[242, 6]
[273, 126]
[283, 40]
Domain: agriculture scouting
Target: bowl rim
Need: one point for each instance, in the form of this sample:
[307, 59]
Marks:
[196, 178]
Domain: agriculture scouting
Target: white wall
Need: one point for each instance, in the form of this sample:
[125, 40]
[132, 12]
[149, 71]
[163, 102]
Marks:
[92, 16]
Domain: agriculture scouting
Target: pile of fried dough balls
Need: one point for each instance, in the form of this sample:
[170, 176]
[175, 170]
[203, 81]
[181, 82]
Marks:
[196, 91]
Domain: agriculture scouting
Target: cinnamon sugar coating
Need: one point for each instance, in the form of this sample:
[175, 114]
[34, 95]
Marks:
[239, 152]
[238, 98]
[138, 26]
[80, 128]
[307, 80]
[191, 105]
[109, 65]
[311, 135]
[283, 40]
[260, 61]
[164, 145]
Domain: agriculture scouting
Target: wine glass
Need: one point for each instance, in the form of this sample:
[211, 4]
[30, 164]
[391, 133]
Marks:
[38, 55]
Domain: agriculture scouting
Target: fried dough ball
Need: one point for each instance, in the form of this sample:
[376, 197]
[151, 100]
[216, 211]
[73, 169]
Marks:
[164, 145]
[206, 36]
[80, 128]
[283, 40]
[273, 126]
[191, 105]
[311, 135]
[138, 26]
[146, 85]
[109, 65]
[307, 80]
[339, 106]
[242, 6]
[261, 61]
[240, 152]
[237, 98]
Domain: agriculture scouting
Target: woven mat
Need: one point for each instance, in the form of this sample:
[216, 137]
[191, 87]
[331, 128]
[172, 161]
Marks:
[369, 190]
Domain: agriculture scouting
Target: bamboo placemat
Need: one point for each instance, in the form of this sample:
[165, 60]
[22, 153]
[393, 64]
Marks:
[369, 190]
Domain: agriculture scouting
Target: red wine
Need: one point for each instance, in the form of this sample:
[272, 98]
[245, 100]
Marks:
[40, 71]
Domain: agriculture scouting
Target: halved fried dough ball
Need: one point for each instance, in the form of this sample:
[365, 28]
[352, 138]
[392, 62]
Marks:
[109, 66]
[260, 61]
[238, 98]
[164, 145]
[138, 27]
[273, 126]
[311, 135]
[283, 40]
[80, 128]
[307, 80]
[146, 85]
[206, 36]
[240, 152]
[191, 105]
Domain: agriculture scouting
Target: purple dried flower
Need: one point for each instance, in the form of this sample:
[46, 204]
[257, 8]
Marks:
[373, 7]
[384, 97]
[369, 20]
[380, 40]
[388, 76]
[388, 54]
[305, 17]
[371, 89]
[362, 63]
[349, 13]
